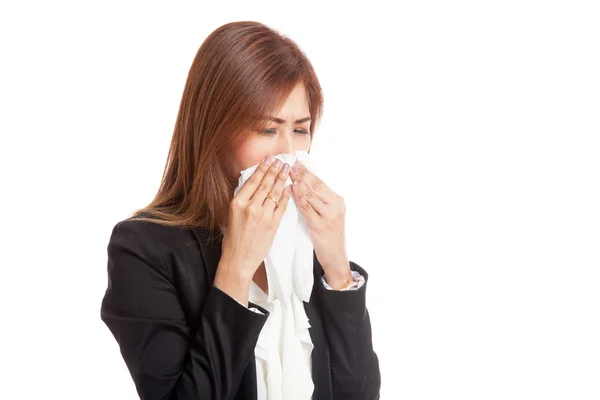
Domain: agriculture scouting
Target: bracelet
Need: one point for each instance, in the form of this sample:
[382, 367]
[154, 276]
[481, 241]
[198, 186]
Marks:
[350, 284]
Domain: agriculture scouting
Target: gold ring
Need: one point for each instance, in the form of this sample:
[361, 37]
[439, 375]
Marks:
[272, 198]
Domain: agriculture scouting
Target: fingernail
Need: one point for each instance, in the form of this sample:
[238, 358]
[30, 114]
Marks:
[268, 160]
[277, 162]
[296, 166]
[286, 167]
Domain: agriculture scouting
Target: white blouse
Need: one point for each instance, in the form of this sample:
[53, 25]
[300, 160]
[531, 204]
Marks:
[283, 351]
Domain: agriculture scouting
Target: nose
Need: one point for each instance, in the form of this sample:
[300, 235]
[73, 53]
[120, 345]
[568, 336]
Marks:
[286, 144]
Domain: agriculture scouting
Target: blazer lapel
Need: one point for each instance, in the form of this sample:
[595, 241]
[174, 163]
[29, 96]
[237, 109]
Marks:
[321, 369]
[320, 355]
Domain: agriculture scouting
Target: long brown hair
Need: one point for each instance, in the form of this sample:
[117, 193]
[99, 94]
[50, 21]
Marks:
[242, 71]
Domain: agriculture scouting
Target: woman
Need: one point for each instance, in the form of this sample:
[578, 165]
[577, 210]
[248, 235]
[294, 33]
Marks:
[180, 270]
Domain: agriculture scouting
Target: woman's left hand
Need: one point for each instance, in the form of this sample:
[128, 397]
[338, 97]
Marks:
[325, 213]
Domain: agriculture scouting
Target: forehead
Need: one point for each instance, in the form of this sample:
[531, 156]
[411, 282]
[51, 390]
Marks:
[296, 102]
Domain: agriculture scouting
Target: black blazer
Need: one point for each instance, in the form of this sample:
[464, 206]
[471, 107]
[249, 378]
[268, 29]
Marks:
[182, 338]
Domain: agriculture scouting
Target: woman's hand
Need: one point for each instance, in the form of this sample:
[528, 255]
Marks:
[325, 213]
[253, 222]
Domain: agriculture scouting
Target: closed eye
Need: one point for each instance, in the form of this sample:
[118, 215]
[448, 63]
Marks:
[273, 131]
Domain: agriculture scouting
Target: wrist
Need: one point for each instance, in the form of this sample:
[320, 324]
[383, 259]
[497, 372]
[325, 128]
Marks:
[338, 277]
[232, 281]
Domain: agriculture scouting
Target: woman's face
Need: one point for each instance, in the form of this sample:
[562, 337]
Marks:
[287, 132]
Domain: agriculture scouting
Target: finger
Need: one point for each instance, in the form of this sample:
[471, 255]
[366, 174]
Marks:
[316, 185]
[277, 188]
[303, 205]
[266, 184]
[311, 197]
[283, 203]
[252, 183]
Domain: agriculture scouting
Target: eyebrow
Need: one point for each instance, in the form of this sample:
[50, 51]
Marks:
[282, 121]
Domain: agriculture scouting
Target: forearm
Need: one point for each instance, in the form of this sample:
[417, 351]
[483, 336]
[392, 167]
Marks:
[221, 349]
[354, 364]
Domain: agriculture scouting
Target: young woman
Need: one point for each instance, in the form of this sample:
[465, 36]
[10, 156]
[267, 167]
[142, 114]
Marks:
[180, 270]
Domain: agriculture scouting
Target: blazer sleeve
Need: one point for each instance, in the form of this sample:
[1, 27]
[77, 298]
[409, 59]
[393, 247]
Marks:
[354, 364]
[165, 357]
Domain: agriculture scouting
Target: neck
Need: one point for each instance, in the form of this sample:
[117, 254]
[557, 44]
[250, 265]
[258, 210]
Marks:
[260, 278]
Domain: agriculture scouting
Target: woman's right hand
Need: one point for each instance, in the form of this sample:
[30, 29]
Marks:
[253, 222]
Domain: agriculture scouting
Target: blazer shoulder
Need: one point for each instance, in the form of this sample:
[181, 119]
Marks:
[147, 239]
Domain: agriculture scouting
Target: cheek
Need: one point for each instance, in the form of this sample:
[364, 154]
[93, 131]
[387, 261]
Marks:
[248, 156]
[303, 143]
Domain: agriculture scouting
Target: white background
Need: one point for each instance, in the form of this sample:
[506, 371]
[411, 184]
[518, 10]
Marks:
[464, 137]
